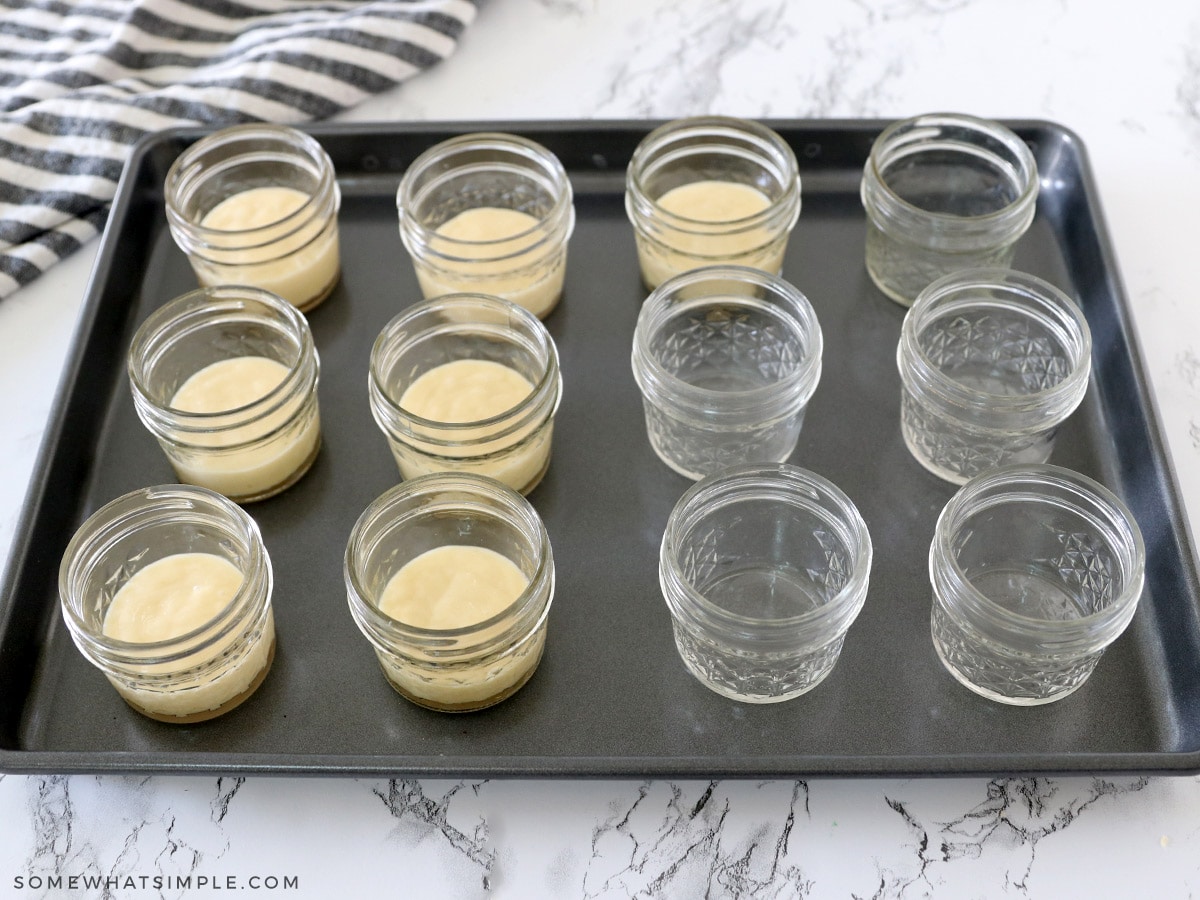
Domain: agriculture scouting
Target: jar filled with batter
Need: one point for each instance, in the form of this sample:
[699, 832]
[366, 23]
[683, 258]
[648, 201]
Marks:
[711, 190]
[257, 205]
[226, 380]
[467, 383]
[450, 578]
[167, 590]
[488, 213]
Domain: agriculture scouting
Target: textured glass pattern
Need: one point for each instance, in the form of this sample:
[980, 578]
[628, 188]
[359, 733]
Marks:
[944, 447]
[903, 270]
[755, 677]
[695, 450]
[1005, 354]
[1086, 565]
[728, 348]
[999, 673]
[991, 353]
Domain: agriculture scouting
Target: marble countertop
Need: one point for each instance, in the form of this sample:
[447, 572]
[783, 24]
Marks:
[1125, 79]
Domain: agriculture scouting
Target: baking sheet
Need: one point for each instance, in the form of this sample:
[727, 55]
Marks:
[611, 697]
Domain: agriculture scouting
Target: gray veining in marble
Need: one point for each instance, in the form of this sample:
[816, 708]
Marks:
[461, 840]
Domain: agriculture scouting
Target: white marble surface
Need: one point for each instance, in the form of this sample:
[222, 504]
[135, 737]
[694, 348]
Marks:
[1125, 76]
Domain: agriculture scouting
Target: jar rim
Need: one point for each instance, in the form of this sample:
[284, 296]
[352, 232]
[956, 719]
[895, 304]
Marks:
[780, 482]
[1045, 303]
[1023, 169]
[558, 187]
[769, 143]
[795, 310]
[183, 172]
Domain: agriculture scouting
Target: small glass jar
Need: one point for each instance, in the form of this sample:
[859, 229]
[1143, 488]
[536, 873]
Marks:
[992, 361]
[253, 450]
[944, 192]
[1035, 571]
[764, 569]
[210, 669]
[257, 204]
[711, 190]
[512, 446]
[488, 213]
[463, 668]
[726, 358]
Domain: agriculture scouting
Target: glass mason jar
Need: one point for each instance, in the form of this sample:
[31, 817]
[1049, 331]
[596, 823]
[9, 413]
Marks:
[257, 204]
[726, 358]
[256, 447]
[992, 361]
[944, 192]
[1035, 570]
[211, 668]
[711, 190]
[488, 213]
[478, 663]
[764, 569]
[511, 445]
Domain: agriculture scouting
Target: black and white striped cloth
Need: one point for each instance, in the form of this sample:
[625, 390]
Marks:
[82, 80]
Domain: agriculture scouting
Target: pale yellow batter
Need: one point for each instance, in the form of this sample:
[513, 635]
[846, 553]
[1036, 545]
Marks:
[229, 384]
[170, 598]
[452, 587]
[714, 201]
[474, 390]
[300, 265]
[496, 251]
[246, 460]
[456, 587]
[710, 202]
[466, 390]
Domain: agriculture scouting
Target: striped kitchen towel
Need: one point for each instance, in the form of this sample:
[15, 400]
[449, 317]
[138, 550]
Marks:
[81, 80]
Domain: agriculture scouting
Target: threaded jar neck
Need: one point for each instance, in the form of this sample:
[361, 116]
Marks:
[950, 182]
[1039, 381]
[227, 323]
[716, 148]
[241, 158]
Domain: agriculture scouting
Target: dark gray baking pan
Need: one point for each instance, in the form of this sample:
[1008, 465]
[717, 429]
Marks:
[611, 697]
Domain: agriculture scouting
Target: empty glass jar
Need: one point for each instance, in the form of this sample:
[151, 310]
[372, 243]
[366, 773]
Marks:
[467, 383]
[992, 361]
[726, 358]
[488, 213]
[764, 569]
[257, 204]
[944, 192]
[711, 190]
[1035, 571]
[206, 669]
[452, 660]
[226, 379]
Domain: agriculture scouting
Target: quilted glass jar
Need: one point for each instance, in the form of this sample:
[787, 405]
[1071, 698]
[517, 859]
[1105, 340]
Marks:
[1035, 571]
[944, 192]
[764, 569]
[992, 362]
[726, 358]
[709, 191]
[257, 204]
